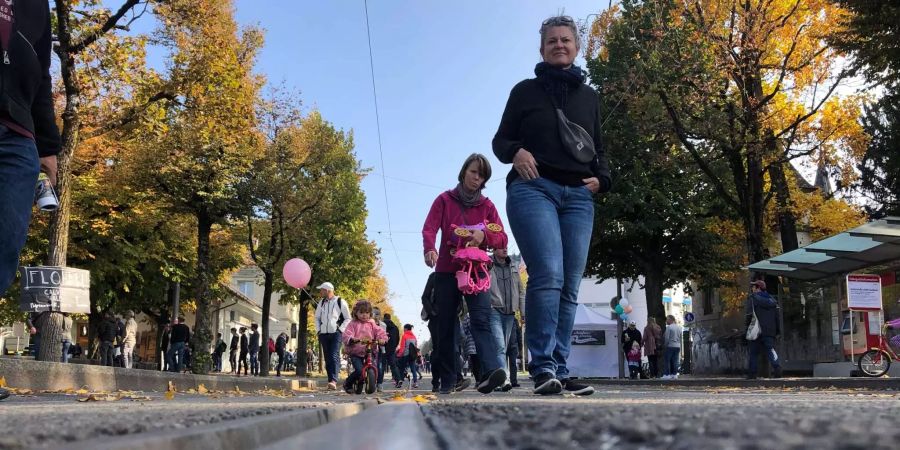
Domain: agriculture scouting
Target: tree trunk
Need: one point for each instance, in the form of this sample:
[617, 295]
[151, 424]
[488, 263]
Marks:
[266, 308]
[201, 337]
[787, 222]
[302, 337]
[51, 323]
[653, 288]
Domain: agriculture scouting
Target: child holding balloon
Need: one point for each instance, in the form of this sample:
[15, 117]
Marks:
[634, 360]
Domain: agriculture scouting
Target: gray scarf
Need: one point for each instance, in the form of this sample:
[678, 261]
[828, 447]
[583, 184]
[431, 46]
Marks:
[468, 199]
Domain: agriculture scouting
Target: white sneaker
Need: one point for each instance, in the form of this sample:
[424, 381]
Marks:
[666, 377]
[675, 377]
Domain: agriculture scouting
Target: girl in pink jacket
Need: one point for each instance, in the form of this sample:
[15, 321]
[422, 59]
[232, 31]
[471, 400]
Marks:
[360, 331]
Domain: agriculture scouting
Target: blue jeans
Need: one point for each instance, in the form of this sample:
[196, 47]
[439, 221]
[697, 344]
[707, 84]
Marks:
[670, 366]
[767, 343]
[254, 361]
[176, 356]
[505, 326]
[331, 350]
[552, 224]
[446, 330]
[65, 354]
[19, 167]
[107, 354]
[409, 364]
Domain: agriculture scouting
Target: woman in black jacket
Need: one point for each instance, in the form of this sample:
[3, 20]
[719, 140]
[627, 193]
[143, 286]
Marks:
[550, 196]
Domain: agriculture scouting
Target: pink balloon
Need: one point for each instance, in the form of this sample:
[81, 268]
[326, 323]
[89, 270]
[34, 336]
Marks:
[297, 273]
[628, 309]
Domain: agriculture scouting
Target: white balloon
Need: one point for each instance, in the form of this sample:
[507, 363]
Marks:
[623, 302]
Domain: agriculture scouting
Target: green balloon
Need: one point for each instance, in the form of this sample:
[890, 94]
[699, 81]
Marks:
[619, 309]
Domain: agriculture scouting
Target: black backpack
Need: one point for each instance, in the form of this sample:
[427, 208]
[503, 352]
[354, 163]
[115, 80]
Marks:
[413, 352]
[221, 347]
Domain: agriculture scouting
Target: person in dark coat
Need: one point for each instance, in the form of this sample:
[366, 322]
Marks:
[244, 351]
[767, 313]
[630, 336]
[107, 336]
[280, 345]
[390, 348]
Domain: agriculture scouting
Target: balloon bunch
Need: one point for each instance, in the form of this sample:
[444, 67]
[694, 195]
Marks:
[623, 309]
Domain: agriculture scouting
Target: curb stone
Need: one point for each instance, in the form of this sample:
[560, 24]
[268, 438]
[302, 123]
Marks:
[239, 434]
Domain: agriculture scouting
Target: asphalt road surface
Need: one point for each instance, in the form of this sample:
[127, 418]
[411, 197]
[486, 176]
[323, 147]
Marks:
[638, 418]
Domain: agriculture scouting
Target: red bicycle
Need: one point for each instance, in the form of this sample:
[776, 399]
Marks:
[876, 362]
[368, 378]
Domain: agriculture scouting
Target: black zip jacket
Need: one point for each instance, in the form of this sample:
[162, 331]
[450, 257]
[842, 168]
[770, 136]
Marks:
[25, 84]
[529, 121]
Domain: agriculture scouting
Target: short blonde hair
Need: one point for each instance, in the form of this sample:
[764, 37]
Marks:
[561, 21]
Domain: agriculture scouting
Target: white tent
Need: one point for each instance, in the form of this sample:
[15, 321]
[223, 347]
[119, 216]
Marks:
[595, 344]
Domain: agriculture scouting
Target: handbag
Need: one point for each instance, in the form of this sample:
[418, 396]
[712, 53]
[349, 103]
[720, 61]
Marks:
[754, 329]
[575, 139]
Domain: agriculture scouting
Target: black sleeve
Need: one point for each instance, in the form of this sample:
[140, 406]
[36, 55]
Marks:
[507, 140]
[46, 133]
[600, 164]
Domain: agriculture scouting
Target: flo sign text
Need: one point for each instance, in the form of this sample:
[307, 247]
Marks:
[50, 288]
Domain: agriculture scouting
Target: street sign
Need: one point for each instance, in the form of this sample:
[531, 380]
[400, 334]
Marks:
[864, 292]
[688, 317]
[51, 288]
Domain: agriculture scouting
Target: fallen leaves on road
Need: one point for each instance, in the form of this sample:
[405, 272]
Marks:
[202, 389]
[418, 398]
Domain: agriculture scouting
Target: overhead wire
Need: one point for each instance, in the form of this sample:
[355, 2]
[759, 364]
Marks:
[381, 152]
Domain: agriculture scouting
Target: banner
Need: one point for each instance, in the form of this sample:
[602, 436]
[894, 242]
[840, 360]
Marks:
[588, 337]
[51, 288]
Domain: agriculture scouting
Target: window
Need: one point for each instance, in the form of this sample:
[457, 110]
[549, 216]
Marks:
[707, 301]
[246, 288]
[231, 315]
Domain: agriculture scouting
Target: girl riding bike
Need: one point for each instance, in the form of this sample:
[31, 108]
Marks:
[360, 332]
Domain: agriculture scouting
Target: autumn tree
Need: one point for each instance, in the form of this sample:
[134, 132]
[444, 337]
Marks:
[751, 85]
[87, 45]
[206, 143]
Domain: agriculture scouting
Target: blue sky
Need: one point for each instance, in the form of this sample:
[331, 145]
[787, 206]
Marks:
[443, 72]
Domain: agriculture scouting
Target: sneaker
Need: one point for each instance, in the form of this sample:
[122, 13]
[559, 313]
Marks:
[574, 387]
[378, 388]
[515, 385]
[3, 393]
[398, 384]
[505, 388]
[492, 381]
[348, 388]
[415, 385]
[547, 384]
[435, 389]
[462, 384]
[332, 386]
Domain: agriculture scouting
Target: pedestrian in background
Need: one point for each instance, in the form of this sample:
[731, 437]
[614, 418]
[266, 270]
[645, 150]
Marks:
[218, 351]
[507, 299]
[107, 336]
[407, 353]
[129, 340]
[630, 336]
[233, 350]
[765, 308]
[164, 346]
[653, 345]
[245, 349]
[512, 354]
[381, 357]
[331, 319]
[66, 337]
[253, 348]
[181, 335]
[672, 342]
[634, 360]
[470, 349]
[549, 195]
[390, 348]
[280, 345]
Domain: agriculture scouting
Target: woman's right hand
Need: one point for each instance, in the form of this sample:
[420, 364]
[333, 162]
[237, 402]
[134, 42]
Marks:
[525, 164]
[431, 258]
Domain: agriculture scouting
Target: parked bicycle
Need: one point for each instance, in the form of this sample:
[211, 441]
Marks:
[876, 362]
